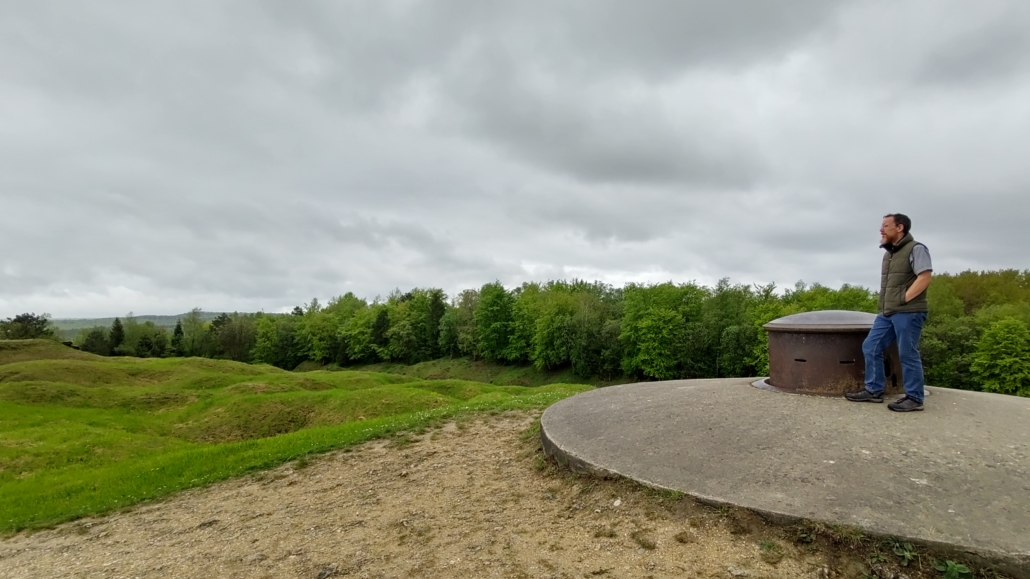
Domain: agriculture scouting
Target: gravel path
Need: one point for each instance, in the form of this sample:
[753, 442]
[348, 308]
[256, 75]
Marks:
[470, 499]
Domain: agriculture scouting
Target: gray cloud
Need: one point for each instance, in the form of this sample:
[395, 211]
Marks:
[996, 50]
[247, 155]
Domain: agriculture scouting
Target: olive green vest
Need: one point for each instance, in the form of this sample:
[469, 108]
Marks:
[896, 276]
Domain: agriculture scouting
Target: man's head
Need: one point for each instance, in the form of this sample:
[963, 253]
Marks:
[894, 227]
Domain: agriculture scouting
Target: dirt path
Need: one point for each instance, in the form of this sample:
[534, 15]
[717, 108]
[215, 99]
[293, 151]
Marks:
[472, 499]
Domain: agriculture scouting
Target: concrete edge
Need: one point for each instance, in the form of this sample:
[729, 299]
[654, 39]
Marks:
[1016, 565]
[763, 384]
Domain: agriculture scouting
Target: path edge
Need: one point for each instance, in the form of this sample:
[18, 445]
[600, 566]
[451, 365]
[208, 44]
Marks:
[1015, 565]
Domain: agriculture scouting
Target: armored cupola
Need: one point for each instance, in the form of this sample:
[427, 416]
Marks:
[820, 353]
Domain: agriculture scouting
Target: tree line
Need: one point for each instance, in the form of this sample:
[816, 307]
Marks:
[976, 336]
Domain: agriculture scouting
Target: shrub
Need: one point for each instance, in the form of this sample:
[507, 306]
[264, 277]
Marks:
[1002, 358]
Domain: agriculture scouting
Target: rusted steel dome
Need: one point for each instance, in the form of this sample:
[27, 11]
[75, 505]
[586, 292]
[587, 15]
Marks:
[821, 353]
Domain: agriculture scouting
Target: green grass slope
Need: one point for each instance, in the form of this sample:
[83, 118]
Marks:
[21, 350]
[81, 434]
[480, 371]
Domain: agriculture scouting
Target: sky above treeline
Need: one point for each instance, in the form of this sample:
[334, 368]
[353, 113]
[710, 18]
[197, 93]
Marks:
[245, 155]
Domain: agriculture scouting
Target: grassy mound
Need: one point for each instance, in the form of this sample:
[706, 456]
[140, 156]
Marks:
[81, 434]
[21, 350]
[479, 371]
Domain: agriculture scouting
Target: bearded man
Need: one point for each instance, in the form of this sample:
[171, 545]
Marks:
[904, 277]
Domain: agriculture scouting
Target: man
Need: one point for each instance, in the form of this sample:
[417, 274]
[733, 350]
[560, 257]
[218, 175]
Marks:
[904, 277]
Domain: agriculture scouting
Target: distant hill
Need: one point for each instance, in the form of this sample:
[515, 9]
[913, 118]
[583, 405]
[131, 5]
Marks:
[75, 324]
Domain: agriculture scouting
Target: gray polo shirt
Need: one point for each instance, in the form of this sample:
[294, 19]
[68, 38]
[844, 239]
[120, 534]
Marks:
[919, 259]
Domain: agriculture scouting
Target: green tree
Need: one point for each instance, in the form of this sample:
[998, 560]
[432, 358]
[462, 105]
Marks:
[212, 343]
[943, 299]
[95, 341]
[152, 343]
[596, 350]
[116, 336]
[193, 333]
[587, 323]
[143, 340]
[660, 340]
[609, 364]
[449, 324]
[459, 335]
[144, 347]
[132, 333]
[809, 298]
[237, 336]
[980, 289]
[27, 327]
[220, 320]
[947, 347]
[726, 306]
[161, 342]
[380, 328]
[425, 312]
[402, 344]
[525, 310]
[275, 342]
[555, 335]
[736, 346]
[493, 318]
[315, 332]
[1002, 359]
[177, 339]
[313, 307]
[362, 345]
[346, 305]
[641, 303]
[766, 308]
[329, 341]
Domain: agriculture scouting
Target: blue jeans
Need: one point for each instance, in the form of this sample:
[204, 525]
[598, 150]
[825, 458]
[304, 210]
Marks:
[904, 328]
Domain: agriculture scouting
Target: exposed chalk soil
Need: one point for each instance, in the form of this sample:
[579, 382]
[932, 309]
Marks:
[474, 498]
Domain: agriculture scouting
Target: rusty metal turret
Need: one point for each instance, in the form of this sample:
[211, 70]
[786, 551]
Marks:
[820, 353]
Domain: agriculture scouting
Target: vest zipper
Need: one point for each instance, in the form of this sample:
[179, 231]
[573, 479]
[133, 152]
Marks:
[890, 258]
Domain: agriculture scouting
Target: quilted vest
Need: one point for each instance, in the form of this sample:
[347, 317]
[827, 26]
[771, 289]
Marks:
[896, 276]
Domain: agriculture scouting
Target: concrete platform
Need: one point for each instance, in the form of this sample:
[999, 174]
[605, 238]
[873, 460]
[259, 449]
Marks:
[955, 476]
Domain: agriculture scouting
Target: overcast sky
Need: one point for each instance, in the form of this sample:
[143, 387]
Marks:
[245, 155]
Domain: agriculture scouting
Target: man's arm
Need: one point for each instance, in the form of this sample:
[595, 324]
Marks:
[919, 286]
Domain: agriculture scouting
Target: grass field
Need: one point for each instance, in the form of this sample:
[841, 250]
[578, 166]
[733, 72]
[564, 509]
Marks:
[478, 371]
[82, 434]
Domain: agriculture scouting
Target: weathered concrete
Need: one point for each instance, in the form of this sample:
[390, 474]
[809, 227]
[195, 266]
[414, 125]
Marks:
[955, 476]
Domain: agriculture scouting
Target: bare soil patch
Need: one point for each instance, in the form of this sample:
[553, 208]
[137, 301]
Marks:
[474, 498]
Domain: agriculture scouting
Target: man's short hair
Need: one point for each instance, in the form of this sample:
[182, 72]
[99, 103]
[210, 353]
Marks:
[902, 220]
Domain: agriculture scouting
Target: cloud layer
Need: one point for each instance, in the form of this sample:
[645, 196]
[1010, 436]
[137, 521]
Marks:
[244, 155]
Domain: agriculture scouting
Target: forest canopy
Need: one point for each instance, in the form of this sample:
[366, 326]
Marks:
[976, 336]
